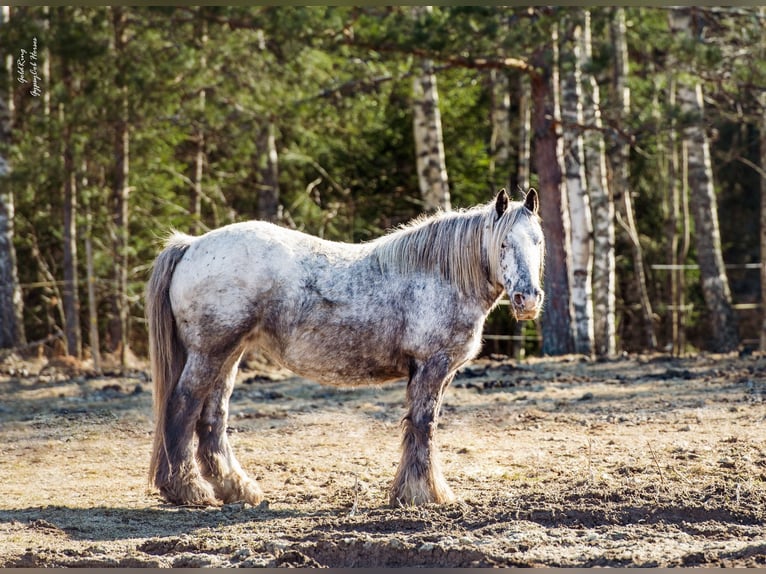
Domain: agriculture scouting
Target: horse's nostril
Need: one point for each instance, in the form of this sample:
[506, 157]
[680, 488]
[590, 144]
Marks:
[518, 299]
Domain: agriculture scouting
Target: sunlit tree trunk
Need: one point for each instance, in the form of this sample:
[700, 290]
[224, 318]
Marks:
[602, 210]
[715, 284]
[267, 174]
[578, 201]
[525, 131]
[120, 187]
[678, 232]
[11, 306]
[500, 138]
[195, 202]
[556, 319]
[427, 127]
[70, 289]
[621, 175]
[95, 346]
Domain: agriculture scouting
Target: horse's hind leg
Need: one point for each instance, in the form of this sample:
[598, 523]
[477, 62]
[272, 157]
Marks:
[181, 482]
[214, 453]
[419, 478]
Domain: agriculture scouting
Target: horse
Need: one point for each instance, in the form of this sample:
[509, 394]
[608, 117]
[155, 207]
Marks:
[410, 304]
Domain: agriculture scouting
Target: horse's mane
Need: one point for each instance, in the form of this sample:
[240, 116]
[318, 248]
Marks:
[453, 244]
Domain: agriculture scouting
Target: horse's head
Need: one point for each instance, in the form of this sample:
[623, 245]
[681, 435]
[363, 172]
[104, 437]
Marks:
[521, 253]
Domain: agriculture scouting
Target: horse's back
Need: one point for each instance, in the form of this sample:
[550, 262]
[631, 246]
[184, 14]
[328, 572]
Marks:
[237, 276]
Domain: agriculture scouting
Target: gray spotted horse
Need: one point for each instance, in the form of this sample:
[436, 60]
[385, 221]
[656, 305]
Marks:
[409, 304]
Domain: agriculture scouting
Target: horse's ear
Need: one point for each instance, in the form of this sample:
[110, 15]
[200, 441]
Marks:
[532, 203]
[501, 202]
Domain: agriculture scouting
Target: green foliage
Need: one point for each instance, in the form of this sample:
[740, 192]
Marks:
[335, 83]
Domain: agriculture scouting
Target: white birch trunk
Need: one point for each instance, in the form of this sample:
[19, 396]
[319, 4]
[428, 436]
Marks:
[500, 139]
[268, 174]
[715, 284]
[621, 173]
[604, 278]
[427, 128]
[195, 202]
[525, 131]
[121, 189]
[581, 228]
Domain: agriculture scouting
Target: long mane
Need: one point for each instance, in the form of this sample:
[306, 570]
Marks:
[460, 246]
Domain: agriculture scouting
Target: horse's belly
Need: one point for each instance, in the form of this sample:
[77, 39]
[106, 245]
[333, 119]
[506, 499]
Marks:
[337, 365]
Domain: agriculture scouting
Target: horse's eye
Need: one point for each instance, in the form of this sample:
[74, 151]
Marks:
[503, 245]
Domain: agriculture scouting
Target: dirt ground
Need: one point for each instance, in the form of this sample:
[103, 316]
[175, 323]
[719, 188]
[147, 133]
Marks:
[640, 461]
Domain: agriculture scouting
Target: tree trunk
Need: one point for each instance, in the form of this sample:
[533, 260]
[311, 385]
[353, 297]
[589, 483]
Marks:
[267, 173]
[195, 202]
[621, 174]
[762, 162]
[578, 201]
[762, 152]
[70, 290]
[557, 317]
[602, 212]
[427, 128]
[11, 304]
[678, 234]
[95, 351]
[715, 285]
[525, 131]
[500, 138]
[120, 188]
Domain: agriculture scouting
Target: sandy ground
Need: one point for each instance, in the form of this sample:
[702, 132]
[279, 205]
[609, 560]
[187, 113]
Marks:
[641, 461]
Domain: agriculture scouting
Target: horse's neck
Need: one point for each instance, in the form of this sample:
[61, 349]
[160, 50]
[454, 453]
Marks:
[451, 247]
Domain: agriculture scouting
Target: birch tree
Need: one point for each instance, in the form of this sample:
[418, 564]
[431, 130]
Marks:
[500, 139]
[267, 173]
[525, 131]
[427, 128]
[702, 199]
[602, 208]
[11, 316]
[620, 158]
[578, 201]
[120, 185]
[195, 201]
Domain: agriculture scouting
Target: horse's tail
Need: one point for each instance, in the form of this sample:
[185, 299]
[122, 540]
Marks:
[167, 352]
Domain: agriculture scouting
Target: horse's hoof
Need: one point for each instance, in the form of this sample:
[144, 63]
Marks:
[418, 494]
[253, 493]
[190, 495]
[243, 490]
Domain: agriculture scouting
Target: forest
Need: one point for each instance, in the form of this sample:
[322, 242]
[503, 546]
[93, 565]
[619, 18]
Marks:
[642, 129]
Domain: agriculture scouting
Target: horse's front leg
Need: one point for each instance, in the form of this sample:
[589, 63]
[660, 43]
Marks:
[214, 453]
[419, 479]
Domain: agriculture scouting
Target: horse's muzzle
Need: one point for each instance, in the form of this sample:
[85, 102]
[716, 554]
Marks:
[526, 306]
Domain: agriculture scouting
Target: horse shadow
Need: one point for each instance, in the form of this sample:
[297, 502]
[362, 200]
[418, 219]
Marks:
[106, 524]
